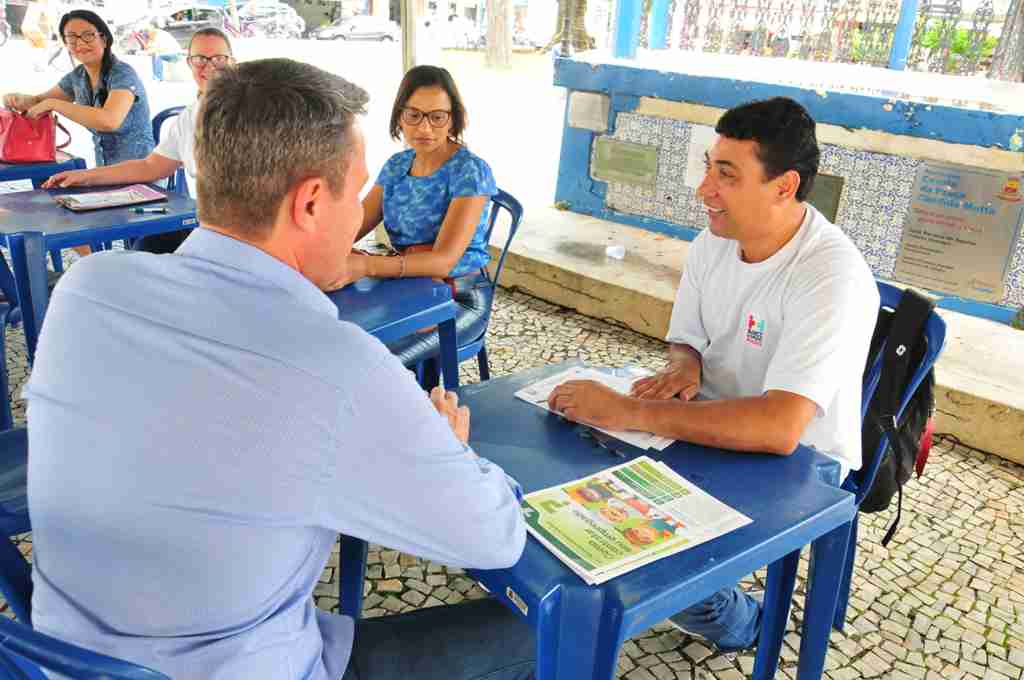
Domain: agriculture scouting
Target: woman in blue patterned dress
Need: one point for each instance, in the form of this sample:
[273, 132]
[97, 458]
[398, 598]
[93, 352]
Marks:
[433, 199]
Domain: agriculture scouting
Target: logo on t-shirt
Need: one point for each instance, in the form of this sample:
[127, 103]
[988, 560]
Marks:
[755, 331]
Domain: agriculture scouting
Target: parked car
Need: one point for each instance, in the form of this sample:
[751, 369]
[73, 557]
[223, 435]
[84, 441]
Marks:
[184, 19]
[362, 27]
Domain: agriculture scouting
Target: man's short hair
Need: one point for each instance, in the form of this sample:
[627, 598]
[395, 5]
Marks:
[785, 136]
[263, 127]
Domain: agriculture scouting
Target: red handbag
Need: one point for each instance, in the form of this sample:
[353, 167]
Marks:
[29, 140]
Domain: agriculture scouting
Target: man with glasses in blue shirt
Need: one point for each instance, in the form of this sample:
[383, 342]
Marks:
[203, 426]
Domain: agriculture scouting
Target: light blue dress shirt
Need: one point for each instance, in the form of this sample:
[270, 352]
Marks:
[201, 427]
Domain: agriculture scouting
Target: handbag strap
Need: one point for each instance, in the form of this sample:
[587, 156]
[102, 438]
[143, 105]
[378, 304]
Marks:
[65, 131]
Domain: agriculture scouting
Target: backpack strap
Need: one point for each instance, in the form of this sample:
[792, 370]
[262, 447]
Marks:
[907, 325]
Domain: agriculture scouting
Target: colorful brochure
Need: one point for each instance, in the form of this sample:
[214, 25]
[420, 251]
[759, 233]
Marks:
[624, 517]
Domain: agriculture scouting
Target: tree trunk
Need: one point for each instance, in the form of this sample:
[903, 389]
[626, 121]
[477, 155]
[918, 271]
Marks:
[579, 38]
[499, 33]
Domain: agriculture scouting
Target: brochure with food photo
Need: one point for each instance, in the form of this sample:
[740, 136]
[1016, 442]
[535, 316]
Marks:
[624, 517]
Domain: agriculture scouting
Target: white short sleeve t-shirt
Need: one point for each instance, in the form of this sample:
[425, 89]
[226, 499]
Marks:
[800, 321]
[176, 142]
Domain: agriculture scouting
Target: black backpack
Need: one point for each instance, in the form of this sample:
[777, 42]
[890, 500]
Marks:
[902, 331]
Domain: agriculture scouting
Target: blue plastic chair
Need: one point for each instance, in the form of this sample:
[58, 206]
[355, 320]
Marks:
[25, 652]
[6, 314]
[426, 369]
[859, 482]
[15, 571]
[175, 182]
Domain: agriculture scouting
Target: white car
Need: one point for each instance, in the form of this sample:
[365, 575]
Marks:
[361, 27]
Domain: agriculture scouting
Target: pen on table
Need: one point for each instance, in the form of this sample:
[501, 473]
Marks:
[146, 211]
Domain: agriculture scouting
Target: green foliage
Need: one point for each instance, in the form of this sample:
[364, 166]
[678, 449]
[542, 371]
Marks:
[1018, 320]
[961, 47]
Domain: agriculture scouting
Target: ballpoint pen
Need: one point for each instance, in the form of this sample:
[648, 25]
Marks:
[146, 211]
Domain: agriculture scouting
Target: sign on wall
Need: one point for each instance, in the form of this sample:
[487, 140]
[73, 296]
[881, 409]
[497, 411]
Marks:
[960, 231]
[625, 162]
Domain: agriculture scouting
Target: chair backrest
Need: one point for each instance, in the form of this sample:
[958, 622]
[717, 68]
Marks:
[175, 182]
[860, 481]
[504, 200]
[15, 571]
[7, 285]
[158, 120]
[24, 652]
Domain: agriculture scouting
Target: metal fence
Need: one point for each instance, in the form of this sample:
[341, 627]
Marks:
[946, 38]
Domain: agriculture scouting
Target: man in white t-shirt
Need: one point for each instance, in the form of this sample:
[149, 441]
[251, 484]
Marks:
[770, 327]
[209, 51]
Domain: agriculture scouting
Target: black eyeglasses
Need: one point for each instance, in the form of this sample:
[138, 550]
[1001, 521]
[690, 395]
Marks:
[218, 60]
[87, 37]
[414, 117]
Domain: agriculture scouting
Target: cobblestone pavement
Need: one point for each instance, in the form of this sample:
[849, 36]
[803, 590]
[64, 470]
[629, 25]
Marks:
[946, 600]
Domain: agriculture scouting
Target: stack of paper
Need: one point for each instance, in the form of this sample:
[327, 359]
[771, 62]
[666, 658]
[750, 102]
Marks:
[538, 392]
[624, 517]
[133, 195]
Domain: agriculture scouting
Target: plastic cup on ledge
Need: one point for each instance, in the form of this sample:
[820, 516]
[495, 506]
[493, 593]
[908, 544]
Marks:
[616, 252]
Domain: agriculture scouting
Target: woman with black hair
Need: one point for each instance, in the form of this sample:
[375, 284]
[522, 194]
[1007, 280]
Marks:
[102, 93]
[433, 200]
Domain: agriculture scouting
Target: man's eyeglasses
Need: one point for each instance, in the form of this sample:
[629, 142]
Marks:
[217, 60]
[72, 38]
[414, 117]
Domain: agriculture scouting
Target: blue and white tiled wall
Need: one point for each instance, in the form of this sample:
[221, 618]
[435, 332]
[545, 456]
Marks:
[873, 205]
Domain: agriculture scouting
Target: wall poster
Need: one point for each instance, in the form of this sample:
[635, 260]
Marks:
[961, 229]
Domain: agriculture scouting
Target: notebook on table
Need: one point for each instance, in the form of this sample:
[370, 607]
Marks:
[136, 194]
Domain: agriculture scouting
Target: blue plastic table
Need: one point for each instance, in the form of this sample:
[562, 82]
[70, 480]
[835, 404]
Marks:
[32, 224]
[793, 501]
[389, 309]
[40, 172]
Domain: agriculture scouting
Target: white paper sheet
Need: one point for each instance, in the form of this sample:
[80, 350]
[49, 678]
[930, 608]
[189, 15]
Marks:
[538, 392]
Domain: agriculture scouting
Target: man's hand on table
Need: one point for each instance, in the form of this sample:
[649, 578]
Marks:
[680, 378]
[355, 269]
[447, 404]
[590, 402]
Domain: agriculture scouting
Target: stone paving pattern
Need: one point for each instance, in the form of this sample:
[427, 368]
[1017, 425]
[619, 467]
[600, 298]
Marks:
[944, 601]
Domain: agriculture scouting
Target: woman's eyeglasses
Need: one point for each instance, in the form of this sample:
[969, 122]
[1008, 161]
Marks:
[218, 60]
[72, 38]
[414, 117]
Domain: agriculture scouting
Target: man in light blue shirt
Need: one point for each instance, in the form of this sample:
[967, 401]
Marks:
[202, 426]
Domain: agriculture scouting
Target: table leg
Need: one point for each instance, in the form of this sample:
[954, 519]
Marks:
[352, 564]
[28, 259]
[577, 639]
[777, 598]
[449, 354]
[828, 557]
